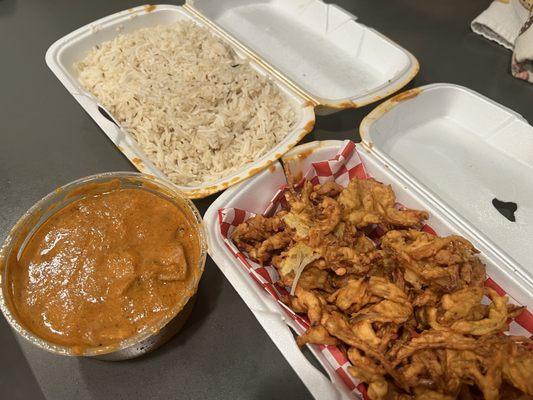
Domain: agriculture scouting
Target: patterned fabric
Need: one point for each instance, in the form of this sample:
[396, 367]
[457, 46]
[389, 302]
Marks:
[522, 62]
[509, 23]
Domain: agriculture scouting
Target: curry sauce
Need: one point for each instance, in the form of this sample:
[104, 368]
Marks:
[104, 268]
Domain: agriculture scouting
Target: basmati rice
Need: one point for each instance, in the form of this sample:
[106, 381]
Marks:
[196, 109]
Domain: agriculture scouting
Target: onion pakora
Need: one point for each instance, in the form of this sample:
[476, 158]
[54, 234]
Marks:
[408, 308]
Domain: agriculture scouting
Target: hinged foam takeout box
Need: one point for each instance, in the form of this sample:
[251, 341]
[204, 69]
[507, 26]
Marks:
[317, 53]
[443, 148]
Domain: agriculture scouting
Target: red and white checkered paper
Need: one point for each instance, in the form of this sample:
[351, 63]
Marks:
[342, 168]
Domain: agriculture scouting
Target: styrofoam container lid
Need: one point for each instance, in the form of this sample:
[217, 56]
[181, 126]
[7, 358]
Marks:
[470, 156]
[318, 47]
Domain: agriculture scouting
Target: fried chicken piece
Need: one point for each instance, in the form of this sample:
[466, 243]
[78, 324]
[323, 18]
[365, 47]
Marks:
[367, 201]
[444, 264]
[317, 335]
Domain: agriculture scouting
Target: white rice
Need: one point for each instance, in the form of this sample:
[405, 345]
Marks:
[196, 109]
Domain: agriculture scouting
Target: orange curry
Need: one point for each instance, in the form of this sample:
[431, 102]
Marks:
[104, 268]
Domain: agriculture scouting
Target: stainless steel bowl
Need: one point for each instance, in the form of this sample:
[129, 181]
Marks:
[141, 343]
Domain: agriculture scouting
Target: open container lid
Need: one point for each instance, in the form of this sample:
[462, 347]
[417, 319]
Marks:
[317, 54]
[469, 155]
[318, 49]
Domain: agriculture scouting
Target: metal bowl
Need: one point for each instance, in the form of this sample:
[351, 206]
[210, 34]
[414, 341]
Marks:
[144, 341]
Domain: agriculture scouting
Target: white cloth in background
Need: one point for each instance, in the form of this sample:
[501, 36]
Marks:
[510, 24]
[522, 62]
[501, 22]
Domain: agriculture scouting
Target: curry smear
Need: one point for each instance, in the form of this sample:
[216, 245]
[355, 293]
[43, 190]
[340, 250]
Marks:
[104, 268]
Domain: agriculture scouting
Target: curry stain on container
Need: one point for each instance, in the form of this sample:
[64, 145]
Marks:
[308, 127]
[409, 94]
[137, 162]
[252, 172]
[304, 154]
[298, 176]
[149, 7]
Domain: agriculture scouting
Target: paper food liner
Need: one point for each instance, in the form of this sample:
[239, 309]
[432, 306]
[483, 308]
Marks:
[342, 168]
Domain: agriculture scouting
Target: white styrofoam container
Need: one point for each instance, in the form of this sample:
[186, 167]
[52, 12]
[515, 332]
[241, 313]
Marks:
[461, 150]
[449, 112]
[318, 48]
[316, 53]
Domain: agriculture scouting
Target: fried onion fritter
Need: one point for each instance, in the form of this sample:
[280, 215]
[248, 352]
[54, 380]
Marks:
[317, 335]
[445, 264]
[367, 201]
[408, 308]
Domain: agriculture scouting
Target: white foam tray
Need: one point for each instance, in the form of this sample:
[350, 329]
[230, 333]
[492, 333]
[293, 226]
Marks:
[443, 111]
[461, 150]
[319, 47]
[291, 33]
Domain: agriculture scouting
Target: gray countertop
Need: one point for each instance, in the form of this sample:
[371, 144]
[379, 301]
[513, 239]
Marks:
[48, 140]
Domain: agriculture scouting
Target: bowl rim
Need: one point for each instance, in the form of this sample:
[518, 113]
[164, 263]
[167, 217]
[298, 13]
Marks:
[171, 193]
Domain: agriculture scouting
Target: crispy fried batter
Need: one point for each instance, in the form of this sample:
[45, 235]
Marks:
[308, 302]
[305, 216]
[366, 202]
[442, 263]
[310, 279]
[368, 371]
[253, 232]
[317, 335]
[408, 308]
[517, 367]
[469, 318]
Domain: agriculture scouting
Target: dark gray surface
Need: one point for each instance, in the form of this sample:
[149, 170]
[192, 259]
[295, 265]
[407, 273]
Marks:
[47, 140]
